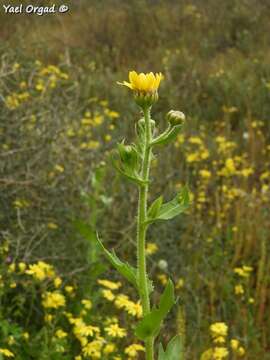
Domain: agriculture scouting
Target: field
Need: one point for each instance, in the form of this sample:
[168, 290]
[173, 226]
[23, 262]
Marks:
[62, 115]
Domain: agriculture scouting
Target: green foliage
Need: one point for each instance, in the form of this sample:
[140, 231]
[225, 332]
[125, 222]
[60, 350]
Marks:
[124, 269]
[151, 323]
[174, 350]
[168, 136]
[169, 210]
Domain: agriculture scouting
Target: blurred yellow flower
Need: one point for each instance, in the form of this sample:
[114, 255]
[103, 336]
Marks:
[57, 282]
[114, 330]
[87, 303]
[6, 353]
[93, 349]
[53, 300]
[133, 350]
[109, 348]
[40, 270]
[219, 329]
[60, 334]
[110, 284]
[239, 290]
[151, 248]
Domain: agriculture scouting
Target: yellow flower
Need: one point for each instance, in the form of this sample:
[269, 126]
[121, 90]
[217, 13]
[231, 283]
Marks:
[108, 295]
[41, 270]
[109, 348]
[26, 335]
[69, 289]
[205, 174]
[22, 266]
[162, 278]
[114, 330]
[6, 352]
[151, 248]
[220, 353]
[235, 345]
[59, 168]
[87, 303]
[133, 349]
[123, 301]
[146, 83]
[180, 283]
[81, 329]
[60, 334]
[12, 268]
[239, 290]
[53, 300]
[244, 271]
[57, 282]
[93, 349]
[110, 284]
[219, 329]
[241, 351]
[52, 226]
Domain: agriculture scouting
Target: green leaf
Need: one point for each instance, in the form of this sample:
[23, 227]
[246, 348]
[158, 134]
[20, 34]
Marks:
[171, 209]
[129, 156]
[174, 207]
[174, 350]
[127, 172]
[154, 208]
[167, 136]
[124, 269]
[151, 323]
[161, 353]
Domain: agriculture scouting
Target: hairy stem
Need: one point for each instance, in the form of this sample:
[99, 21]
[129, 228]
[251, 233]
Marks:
[142, 228]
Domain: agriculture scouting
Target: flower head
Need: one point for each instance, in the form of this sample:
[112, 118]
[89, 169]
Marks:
[145, 87]
[147, 83]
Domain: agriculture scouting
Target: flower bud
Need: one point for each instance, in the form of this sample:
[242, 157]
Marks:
[128, 155]
[176, 117]
[163, 265]
[144, 99]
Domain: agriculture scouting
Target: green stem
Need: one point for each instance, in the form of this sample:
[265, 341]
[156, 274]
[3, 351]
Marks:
[142, 228]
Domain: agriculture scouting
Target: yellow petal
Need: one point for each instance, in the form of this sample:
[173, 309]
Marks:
[133, 78]
[143, 82]
[125, 83]
[151, 82]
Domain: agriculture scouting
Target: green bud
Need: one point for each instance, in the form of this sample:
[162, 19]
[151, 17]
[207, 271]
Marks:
[128, 155]
[176, 117]
[146, 99]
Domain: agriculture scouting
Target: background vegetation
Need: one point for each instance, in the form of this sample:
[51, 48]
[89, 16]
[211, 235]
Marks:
[61, 114]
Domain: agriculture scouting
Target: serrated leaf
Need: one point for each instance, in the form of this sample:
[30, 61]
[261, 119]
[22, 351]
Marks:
[167, 136]
[154, 208]
[124, 269]
[172, 208]
[174, 350]
[151, 323]
[129, 156]
[129, 174]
